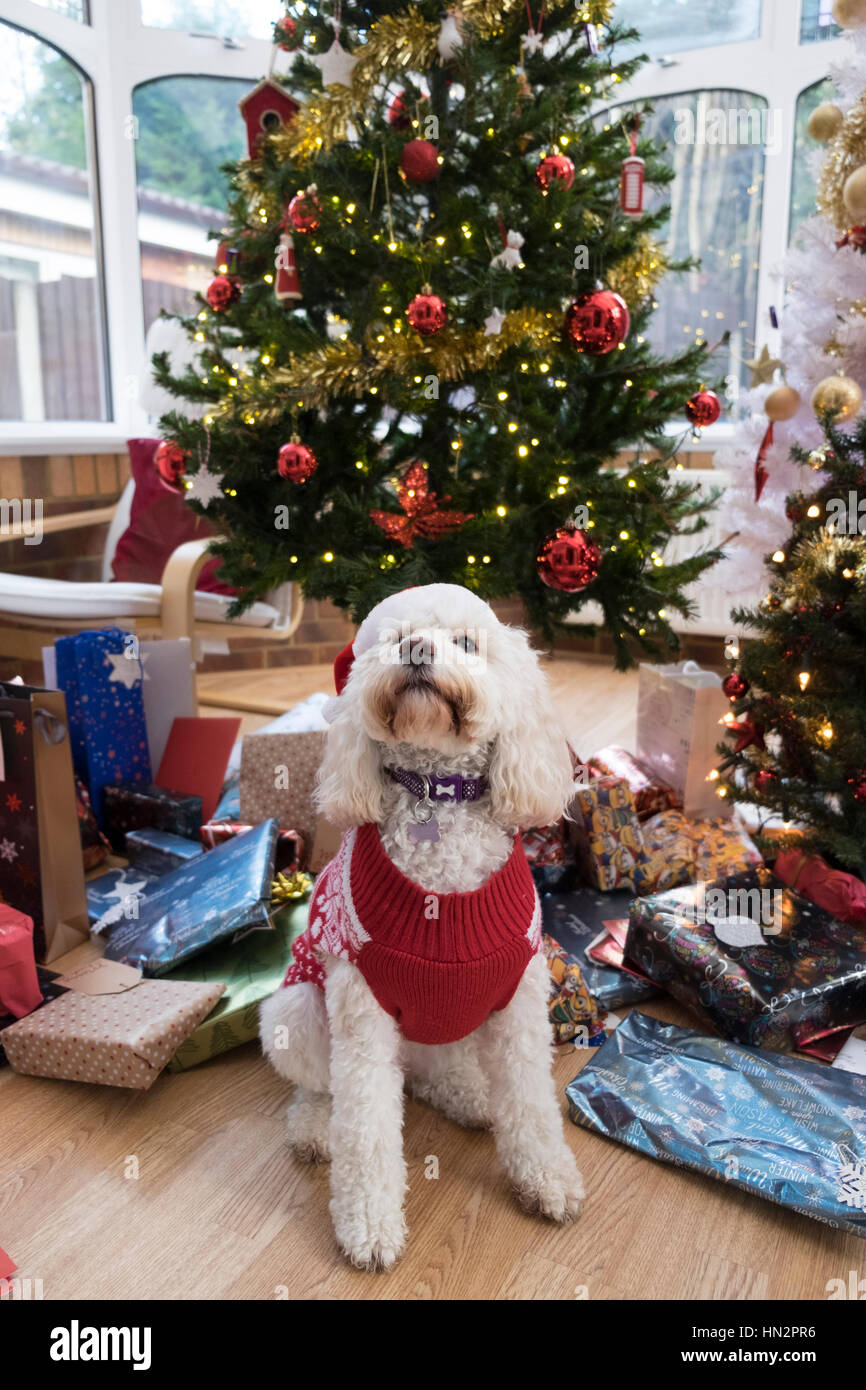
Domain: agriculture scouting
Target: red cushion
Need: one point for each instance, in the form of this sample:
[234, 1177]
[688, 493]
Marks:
[159, 522]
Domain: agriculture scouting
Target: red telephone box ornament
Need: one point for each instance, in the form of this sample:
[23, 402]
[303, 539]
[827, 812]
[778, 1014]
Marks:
[631, 180]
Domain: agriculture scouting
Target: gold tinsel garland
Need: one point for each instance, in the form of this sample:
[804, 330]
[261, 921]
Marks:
[636, 276]
[394, 44]
[845, 153]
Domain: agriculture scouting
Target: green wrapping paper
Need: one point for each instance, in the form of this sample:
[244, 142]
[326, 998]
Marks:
[250, 970]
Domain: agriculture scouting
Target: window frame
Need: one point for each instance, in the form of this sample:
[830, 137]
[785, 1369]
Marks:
[777, 67]
[116, 53]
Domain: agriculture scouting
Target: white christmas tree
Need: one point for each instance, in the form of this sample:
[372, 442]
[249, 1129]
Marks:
[822, 330]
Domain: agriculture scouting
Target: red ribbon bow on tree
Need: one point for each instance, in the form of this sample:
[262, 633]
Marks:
[422, 515]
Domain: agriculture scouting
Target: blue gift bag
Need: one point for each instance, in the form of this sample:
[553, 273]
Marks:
[101, 676]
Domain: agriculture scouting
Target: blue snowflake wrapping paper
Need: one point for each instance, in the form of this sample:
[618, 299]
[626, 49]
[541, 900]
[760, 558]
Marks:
[101, 677]
[224, 893]
[791, 1131]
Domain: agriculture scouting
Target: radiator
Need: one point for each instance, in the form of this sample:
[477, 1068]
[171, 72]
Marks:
[713, 601]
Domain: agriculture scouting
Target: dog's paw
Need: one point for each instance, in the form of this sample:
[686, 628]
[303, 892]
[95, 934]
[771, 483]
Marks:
[308, 1124]
[373, 1245]
[556, 1191]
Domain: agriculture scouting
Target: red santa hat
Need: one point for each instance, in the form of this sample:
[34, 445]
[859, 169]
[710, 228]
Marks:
[438, 604]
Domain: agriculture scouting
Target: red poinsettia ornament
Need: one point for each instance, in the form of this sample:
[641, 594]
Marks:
[422, 515]
[747, 732]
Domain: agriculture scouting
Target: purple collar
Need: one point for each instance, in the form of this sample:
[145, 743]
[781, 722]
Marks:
[452, 789]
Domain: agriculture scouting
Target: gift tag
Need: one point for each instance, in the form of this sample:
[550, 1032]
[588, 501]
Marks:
[737, 931]
[101, 977]
[852, 1056]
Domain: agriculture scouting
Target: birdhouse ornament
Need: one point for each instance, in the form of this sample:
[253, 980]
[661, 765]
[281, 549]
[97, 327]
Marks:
[631, 179]
[266, 109]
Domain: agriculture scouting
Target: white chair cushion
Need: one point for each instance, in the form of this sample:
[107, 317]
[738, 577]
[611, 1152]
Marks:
[62, 598]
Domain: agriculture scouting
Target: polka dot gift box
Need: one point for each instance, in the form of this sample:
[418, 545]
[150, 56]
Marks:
[120, 1039]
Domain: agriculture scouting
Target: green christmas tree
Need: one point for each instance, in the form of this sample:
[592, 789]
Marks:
[438, 410]
[797, 737]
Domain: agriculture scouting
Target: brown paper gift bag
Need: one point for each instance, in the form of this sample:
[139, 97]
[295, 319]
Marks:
[278, 778]
[41, 870]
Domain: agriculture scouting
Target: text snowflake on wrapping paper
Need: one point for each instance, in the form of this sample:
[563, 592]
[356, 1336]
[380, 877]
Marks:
[851, 1191]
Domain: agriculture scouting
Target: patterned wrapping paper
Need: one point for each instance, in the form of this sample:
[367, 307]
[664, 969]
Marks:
[574, 920]
[102, 681]
[251, 971]
[223, 893]
[791, 1131]
[262, 795]
[608, 837]
[570, 1005]
[128, 807]
[802, 974]
[650, 795]
[157, 852]
[120, 1039]
[688, 851]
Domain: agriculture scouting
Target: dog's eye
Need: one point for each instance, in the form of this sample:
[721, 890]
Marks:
[465, 642]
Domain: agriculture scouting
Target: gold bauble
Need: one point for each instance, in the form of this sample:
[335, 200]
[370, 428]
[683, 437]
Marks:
[782, 403]
[837, 396]
[824, 121]
[854, 194]
[849, 14]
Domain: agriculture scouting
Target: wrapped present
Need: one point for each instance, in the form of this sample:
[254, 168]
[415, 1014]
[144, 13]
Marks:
[833, 889]
[787, 1130]
[116, 894]
[575, 921]
[687, 851]
[291, 846]
[128, 806]
[572, 1008]
[608, 836]
[157, 852]
[250, 971]
[47, 991]
[119, 1039]
[224, 893]
[95, 847]
[753, 959]
[650, 794]
[551, 856]
[101, 675]
[19, 986]
[278, 778]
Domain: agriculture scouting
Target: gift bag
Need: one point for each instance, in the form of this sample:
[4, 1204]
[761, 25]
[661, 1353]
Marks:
[101, 674]
[678, 712]
[41, 871]
[278, 778]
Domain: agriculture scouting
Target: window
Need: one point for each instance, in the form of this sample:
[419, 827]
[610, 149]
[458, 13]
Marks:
[668, 26]
[714, 141]
[252, 18]
[51, 340]
[181, 199]
[816, 21]
[803, 186]
[72, 9]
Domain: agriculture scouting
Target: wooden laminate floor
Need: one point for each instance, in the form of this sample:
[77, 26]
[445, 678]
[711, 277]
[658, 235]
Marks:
[218, 1209]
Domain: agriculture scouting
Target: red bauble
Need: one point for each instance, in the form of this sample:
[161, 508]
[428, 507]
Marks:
[795, 508]
[765, 780]
[304, 212]
[703, 408]
[419, 161]
[555, 168]
[398, 113]
[284, 32]
[597, 323]
[735, 686]
[427, 313]
[568, 560]
[858, 785]
[297, 462]
[170, 461]
[222, 293]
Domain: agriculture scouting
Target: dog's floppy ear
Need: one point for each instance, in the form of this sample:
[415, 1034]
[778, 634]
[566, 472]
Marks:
[531, 777]
[349, 789]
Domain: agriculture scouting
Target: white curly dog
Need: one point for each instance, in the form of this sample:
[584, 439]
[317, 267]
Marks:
[421, 962]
